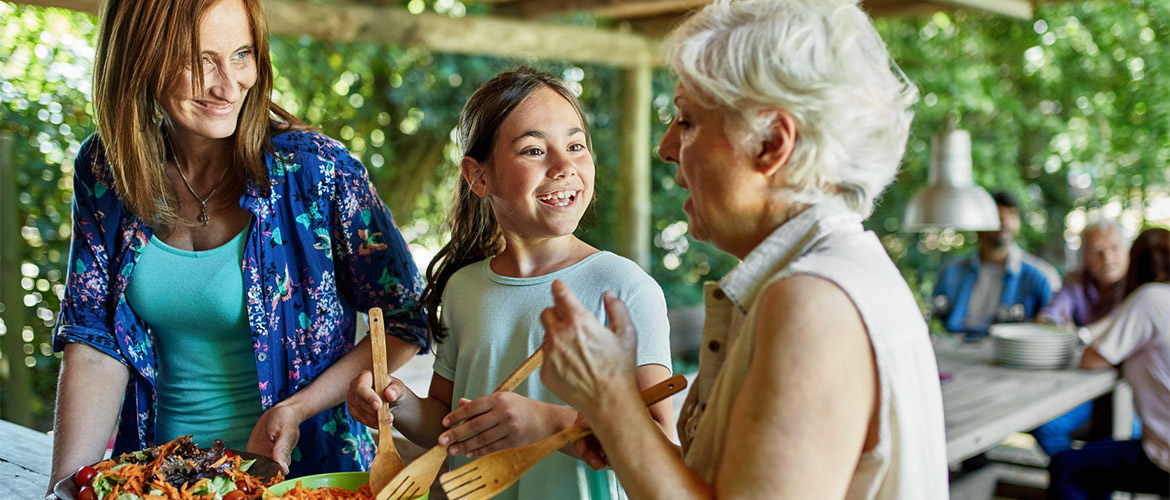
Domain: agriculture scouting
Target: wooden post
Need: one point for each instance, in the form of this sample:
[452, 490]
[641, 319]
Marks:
[634, 168]
[16, 383]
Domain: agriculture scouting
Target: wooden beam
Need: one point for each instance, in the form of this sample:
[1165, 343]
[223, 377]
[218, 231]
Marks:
[490, 36]
[634, 165]
[898, 8]
[90, 6]
[1019, 9]
[620, 9]
[479, 35]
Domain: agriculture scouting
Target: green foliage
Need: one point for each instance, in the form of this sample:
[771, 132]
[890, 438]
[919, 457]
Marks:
[1071, 113]
[44, 103]
[1068, 112]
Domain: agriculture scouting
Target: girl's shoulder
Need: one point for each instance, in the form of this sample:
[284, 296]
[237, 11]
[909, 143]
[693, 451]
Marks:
[616, 271]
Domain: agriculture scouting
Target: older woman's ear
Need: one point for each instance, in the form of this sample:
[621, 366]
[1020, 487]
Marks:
[779, 138]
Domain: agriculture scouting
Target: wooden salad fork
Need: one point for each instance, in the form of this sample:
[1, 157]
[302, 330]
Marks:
[387, 462]
[418, 476]
[496, 471]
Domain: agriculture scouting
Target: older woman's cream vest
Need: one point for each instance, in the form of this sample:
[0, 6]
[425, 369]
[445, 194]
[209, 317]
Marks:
[828, 241]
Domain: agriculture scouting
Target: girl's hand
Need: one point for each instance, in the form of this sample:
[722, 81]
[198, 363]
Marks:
[589, 450]
[584, 361]
[499, 421]
[363, 400]
[276, 434]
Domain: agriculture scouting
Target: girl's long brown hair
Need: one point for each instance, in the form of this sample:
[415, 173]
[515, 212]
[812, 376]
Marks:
[1149, 259]
[475, 234]
[143, 48]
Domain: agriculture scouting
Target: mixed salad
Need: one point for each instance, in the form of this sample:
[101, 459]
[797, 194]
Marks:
[177, 470]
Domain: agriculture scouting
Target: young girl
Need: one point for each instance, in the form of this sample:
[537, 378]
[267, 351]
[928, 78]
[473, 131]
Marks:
[527, 179]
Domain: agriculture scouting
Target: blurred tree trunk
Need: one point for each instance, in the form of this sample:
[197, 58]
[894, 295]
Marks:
[418, 157]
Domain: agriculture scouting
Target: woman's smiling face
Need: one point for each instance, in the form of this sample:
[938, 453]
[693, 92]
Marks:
[228, 63]
[539, 179]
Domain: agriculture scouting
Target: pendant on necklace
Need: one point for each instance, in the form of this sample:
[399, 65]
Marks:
[203, 214]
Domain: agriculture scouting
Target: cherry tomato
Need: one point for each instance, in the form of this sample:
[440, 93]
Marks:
[228, 453]
[243, 486]
[235, 495]
[84, 475]
[86, 493]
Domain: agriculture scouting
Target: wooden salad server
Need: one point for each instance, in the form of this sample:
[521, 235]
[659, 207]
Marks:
[387, 462]
[488, 476]
[418, 476]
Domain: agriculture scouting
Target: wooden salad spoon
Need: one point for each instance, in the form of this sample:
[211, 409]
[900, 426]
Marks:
[387, 462]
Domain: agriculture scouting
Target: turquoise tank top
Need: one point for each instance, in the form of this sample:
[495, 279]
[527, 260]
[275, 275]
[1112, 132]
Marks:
[206, 384]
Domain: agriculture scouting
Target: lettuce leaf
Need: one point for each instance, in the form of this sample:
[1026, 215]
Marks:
[217, 486]
[103, 483]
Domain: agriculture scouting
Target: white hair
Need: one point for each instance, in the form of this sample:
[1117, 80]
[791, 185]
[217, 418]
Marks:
[823, 62]
[1100, 224]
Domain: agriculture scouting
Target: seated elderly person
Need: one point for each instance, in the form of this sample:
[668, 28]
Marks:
[1093, 291]
[1138, 339]
[1089, 294]
[817, 378]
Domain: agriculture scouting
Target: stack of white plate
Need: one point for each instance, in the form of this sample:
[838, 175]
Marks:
[1033, 345]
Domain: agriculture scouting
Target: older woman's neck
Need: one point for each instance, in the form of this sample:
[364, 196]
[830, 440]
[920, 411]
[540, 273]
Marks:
[774, 213]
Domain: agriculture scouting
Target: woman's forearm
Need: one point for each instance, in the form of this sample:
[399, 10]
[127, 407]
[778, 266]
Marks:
[89, 396]
[329, 389]
[647, 464]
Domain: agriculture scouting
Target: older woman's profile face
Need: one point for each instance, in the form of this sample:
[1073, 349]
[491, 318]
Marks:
[228, 64]
[714, 170]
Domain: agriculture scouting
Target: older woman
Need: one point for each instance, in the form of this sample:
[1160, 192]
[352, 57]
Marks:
[817, 378]
[219, 252]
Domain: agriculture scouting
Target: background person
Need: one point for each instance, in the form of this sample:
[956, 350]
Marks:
[1088, 295]
[219, 253]
[1138, 339]
[1093, 291]
[817, 378]
[1000, 283]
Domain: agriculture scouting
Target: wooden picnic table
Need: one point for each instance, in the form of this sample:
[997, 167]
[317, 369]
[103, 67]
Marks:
[25, 459]
[984, 402]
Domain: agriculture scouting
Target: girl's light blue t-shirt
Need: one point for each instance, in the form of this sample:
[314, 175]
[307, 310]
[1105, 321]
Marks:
[207, 383]
[494, 325]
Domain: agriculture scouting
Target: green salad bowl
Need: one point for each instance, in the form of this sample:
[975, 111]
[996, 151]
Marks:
[351, 481]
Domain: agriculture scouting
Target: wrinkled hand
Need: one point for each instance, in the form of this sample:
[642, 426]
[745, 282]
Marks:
[363, 401]
[276, 434]
[497, 421]
[582, 358]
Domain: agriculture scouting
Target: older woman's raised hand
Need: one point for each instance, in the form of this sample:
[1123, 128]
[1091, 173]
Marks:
[583, 360]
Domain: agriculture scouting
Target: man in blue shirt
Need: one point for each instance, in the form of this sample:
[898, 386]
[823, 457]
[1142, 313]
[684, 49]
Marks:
[1001, 283]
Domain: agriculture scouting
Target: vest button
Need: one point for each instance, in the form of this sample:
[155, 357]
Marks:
[713, 346]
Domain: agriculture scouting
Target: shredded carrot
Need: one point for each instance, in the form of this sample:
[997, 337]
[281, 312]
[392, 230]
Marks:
[299, 492]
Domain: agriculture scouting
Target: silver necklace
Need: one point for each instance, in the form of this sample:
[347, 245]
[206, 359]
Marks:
[202, 200]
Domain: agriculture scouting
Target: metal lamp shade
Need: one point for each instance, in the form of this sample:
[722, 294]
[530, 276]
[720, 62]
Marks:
[951, 199]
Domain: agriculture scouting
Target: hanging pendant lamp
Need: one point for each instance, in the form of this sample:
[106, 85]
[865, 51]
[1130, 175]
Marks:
[951, 199]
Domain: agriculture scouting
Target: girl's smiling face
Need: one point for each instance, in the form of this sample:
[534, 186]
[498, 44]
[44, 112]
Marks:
[539, 179]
